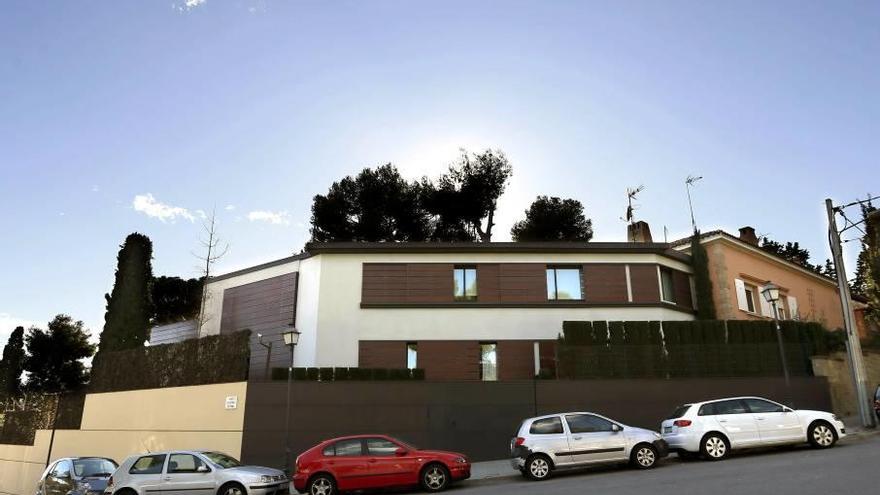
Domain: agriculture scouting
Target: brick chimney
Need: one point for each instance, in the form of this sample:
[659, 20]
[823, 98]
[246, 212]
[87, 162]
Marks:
[747, 234]
[638, 232]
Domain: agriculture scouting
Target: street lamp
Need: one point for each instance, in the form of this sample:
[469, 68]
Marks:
[771, 295]
[268, 354]
[291, 338]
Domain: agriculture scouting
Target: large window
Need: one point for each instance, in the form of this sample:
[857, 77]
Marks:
[564, 284]
[148, 464]
[763, 406]
[667, 285]
[587, 423]
[465, 283]
[546, 426]
[412, 354]
[750, 298]
[489, 362]
[184, 463]
[345, 448]
[381, 447]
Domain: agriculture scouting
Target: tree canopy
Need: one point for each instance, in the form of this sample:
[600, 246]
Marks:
[54, 356]
[380, 205]
[553, 219]
[702, 281]
[12, 364]
[175, 299]
[129, 305]
[866, 282]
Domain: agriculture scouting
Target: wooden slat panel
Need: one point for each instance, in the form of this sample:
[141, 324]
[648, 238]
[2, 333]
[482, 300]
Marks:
[645, 284]
[682, 286]
[605, 283]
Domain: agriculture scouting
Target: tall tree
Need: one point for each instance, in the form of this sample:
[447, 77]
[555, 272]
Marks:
[54, 356]
[213, 249]
[175, 299]
[376, 205]
[791, 251]
[129, 305]
[12, 364]
[553, 219]
[702, 281]
[828, 270]
[871, 251]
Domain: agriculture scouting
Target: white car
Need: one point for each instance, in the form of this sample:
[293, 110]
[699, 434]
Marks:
[714, 428]
[194, 472]
[573, 439]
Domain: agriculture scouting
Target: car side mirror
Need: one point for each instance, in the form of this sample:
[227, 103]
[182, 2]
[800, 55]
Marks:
[787, 409]
[400, 452]
[616, 428]
[202, 469]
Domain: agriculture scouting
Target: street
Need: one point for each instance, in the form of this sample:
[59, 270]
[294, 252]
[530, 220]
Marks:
[846, 468]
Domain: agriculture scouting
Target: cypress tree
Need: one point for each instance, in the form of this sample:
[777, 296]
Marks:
[129, 305]
[12, 364]
[702, 282]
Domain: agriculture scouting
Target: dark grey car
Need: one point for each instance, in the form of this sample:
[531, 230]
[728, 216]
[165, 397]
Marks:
[76, 476]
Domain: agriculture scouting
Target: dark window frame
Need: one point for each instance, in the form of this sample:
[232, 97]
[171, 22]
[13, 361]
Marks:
[464, 297]
[482, 377]
[555, 268]
[415, 347]
[669, 272]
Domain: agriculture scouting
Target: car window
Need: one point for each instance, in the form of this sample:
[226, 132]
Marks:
[61, 470]
[707, 409]
[762, 406]
[381, 447]
[148, 464]
[546, 426]
[347, 448]
[93, 467]
[222, 460]
[587, 423]
[679, 411]
[733, 406]
[184, 463]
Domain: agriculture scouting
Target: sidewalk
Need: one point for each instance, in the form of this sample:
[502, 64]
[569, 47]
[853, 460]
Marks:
[854, 427]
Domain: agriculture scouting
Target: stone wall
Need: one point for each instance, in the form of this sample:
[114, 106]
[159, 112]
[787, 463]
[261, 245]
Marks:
[835, 368]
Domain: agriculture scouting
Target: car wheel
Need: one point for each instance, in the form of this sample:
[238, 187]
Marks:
[435, 477]
[322, 484]
[644, 456]
[821, 435]
[714, 447]
[538, 467]
[231, 489]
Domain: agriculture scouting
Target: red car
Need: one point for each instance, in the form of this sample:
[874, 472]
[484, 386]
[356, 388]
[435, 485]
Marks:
[375, 461]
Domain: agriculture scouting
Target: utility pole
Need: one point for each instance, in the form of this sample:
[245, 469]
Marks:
[854, 346]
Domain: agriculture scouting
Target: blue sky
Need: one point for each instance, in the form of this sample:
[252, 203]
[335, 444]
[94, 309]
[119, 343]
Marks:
[132, 116]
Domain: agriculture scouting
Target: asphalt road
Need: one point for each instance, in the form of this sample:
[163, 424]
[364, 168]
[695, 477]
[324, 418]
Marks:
[852, 467]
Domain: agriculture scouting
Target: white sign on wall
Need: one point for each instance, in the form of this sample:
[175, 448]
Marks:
[231, 402]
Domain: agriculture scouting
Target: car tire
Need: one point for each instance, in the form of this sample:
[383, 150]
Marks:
[821, 435]
[231, 488]
[538, 467]
[434, 477]
[643, 456]
[714, 447]
[322, 484]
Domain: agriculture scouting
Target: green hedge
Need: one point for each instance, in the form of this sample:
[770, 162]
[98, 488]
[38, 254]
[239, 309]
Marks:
[348, 374]
[199, 361]
[681, 349]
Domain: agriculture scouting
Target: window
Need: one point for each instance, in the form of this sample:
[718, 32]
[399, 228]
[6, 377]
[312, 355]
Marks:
[707, 410]
[222, 460]
[381, 447]
[412, 354]
[587, 423]
[780, 309]
[546, 426]
[667, 285]
[564, 284]
[148, 464]
[679, 411]
[750, 299]
[465, 283]
[763, 406]
[734, 406]
[93, 467]
[184, 463]
[345, 448]
[61, 470]
[489, 362]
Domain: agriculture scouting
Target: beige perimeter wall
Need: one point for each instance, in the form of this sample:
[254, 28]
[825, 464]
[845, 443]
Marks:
[836, 368]
[119, 424]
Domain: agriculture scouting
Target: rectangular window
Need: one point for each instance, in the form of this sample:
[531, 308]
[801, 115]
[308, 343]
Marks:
[564, 284]
[489, 362]
[465, 283]
[666, 283]
[750, 299]
[412, 354]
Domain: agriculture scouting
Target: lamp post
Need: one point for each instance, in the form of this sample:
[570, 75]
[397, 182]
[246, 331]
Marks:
[268, 354]
[771, 295]
[291, 338]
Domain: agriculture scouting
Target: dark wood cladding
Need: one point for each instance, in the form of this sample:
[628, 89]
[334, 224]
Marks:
[522, 282]
[605, 283]
[449, 359]
[681, 283]
[516, 359]
[406, 283]
[382, 354]
[265, 307]
[645, 283]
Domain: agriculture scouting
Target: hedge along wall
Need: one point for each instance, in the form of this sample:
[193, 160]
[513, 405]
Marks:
[680, 349]
[215, 359]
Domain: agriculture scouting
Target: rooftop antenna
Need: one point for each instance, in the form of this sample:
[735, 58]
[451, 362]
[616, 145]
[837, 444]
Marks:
[630, 196]
[688, 183]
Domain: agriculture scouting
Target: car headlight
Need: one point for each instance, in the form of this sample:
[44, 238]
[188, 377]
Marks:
[266, 479]
[460, 460]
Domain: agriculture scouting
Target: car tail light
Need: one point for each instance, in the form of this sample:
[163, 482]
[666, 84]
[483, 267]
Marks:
[681, 423]
[519, 441]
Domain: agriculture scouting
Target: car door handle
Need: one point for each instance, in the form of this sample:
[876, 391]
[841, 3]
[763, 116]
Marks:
[722, 421]
[576, 438]
[371, 461]
[167, 478]
[760, 419]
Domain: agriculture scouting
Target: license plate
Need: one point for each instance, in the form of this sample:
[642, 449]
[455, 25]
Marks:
[667, 429]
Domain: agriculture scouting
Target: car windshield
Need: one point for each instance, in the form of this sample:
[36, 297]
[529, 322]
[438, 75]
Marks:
[679, 411]
[222, 460]
[93, 468]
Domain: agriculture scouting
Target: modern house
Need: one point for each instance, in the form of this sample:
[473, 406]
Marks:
[460, 311]
[739, 269]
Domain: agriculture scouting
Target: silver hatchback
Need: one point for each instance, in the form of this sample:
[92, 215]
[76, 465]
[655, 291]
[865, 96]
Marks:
[194, 472]
[573, 439]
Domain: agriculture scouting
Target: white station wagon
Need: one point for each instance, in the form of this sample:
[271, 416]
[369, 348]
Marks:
[714, 428]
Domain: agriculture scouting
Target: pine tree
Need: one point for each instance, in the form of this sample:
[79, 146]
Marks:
[54, 356]
[702, 282]
[12, 364]
[129, 305]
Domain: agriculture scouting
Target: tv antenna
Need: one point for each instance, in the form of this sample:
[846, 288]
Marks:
[630, 196]
[688, 184]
